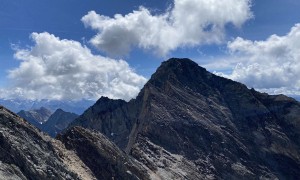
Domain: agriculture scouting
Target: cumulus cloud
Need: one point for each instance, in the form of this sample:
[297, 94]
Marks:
[187, 23]
[272, 65]
[64, 69]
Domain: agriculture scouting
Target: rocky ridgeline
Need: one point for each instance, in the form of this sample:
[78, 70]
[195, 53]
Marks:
[57, 122]
[26, 153]
[45, 120]
[220, 128]
[102, 156]
[186, 123]
[36, 117]
[76, 106]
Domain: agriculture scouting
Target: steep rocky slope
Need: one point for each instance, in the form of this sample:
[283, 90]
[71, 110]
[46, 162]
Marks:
[199, 125]
[26, 153]
[36, 117]
[102, 156]
[57, 122]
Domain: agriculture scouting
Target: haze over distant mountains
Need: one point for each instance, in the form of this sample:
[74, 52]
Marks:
[17, 105]
[49, 122]
[297, 98]
[186, 123]
[36, 117]
[58, 121]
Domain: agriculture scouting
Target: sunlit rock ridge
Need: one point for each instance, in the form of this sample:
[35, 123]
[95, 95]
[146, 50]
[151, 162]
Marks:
[188, 123]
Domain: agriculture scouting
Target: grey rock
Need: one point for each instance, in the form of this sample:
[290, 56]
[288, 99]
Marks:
[102, 156]
[45, 120]
[10, 172]
[27, 153]
[117, 126]
[220, 127]
[37, 116]
[57, 122]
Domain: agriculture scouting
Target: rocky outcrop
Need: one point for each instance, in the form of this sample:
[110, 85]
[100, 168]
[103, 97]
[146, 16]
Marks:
[186, 123]
[57, 122]
[45, 120]
[102, 156]
[117, 127]
[26, 153]
[202, 125]
[36, 117]
[107, 161]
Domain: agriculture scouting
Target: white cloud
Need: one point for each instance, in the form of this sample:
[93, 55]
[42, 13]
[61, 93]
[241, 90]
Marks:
[187, 23]
[272, 65]
[64, 69]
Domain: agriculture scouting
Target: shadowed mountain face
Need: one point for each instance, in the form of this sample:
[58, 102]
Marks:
[26, 153]
[102, 156]
[45, 120]
[57, 122]
[202, 125]
[36, 117]
[186, 123]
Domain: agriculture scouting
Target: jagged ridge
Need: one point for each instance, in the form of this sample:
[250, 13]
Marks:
[218, 125]
[57, 122]
[27, 153]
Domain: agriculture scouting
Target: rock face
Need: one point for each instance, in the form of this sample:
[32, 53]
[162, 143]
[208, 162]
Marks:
[36, 117]
[102, 156]
[117, 127]
[78, 154]
[26, 153]
[45, 120]
[187, 123]
[57, 122]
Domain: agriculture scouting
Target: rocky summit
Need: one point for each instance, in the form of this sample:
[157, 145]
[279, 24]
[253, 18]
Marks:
[57, 122]
[45, 120]
[187, 123]
[36, 116]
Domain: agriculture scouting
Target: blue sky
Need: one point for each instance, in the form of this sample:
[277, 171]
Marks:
[241, 47]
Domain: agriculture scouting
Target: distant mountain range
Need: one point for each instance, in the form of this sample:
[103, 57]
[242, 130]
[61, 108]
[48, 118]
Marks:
[36, 116]
[296, 97]
[26, 153]
[57, 122]
[17, 105]
[45, 120]
[186, 123]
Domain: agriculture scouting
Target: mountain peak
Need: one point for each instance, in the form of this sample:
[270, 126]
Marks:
[174, 61]
[105, 102]
[220, 126]
[59, 110]
[36, 116]
[43, 109]
[179, 65]
[183, 73]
